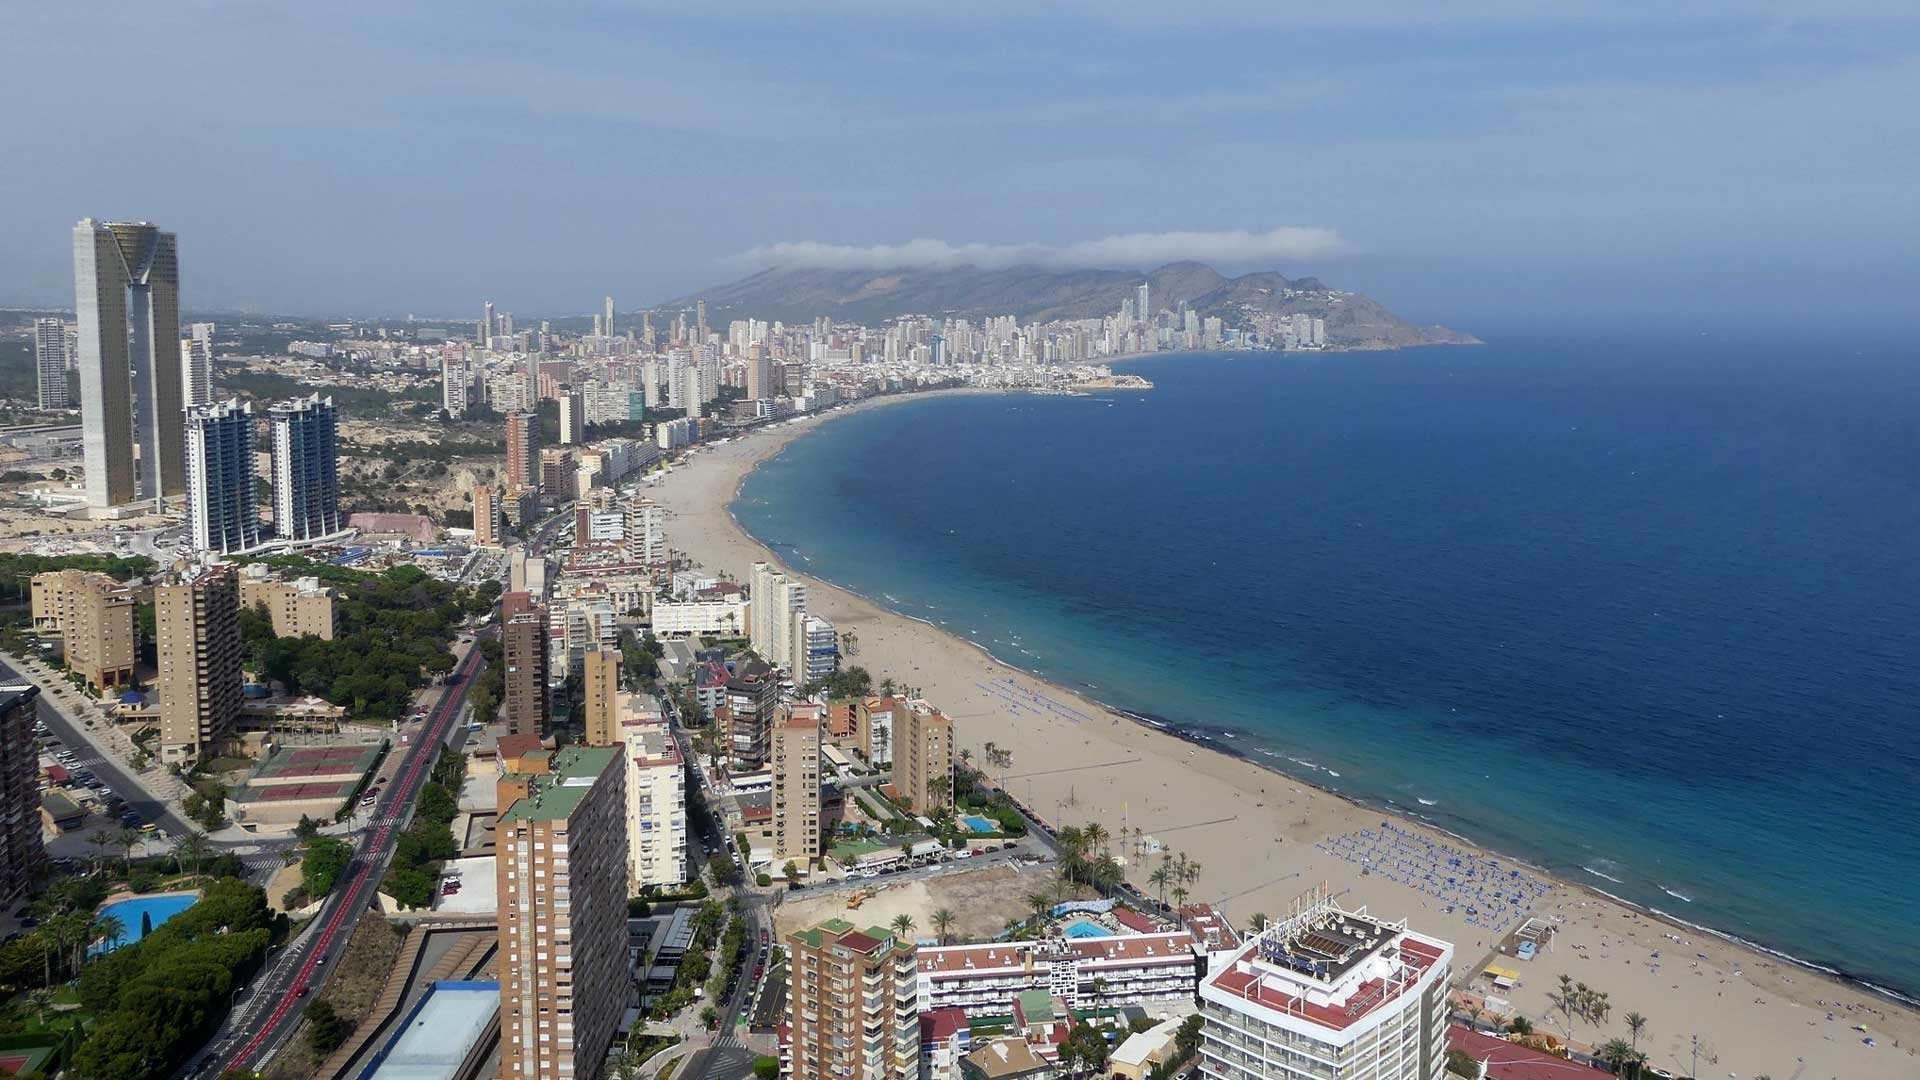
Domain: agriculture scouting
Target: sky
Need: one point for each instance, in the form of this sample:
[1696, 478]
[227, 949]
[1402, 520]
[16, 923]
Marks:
[1498, 165]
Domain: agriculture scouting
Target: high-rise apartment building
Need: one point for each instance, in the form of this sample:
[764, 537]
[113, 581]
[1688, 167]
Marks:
[306, 468]
[759, 378]
[875, 720]
[222, 515]
[22, 857]
[197, 634]
[776, 600]
[50, 362]
[607, 318]
[796, 783]
[561, 842]
[196, 371]
[486, 516]
[1354, 996]
[1144, 296]
[646, 531]
[814, 649]
[486, 324]
[851, 1012]
[523, 650]
[753, 693]
[923, 757]
[600, 678]
[94, 616]
[573, 416]
[656, 799]
[126, 285]
[559, 476]
[523, 453]
[456, 384]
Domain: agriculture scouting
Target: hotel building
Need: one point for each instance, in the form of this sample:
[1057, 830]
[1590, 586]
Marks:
[94, 616]
[1328, 993]
[850, 1009]
[561, 877]
[197, 634]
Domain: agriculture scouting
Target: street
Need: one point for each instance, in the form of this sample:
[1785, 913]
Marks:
[279, 991]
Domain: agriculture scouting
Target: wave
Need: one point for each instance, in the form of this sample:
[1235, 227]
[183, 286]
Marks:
[1675, 895]
[1598, 874]
[1426, 802]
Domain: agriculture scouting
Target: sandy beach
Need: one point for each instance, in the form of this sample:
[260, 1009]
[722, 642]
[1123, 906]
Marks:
[1262, 837]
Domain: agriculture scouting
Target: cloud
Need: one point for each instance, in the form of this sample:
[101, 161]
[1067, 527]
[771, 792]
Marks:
[1126, 251]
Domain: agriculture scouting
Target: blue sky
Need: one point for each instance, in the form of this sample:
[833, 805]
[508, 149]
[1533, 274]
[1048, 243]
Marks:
[1497, 165]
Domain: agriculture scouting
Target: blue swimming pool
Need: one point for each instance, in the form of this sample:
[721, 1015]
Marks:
[1086, 928]
[977, 824]
[156, 908]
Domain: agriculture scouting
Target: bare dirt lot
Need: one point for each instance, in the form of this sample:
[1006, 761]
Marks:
[982, 902]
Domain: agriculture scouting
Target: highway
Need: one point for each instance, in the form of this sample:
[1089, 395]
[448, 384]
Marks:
[280, 990]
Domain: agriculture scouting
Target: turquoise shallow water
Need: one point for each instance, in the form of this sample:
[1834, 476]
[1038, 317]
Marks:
[1648, 616]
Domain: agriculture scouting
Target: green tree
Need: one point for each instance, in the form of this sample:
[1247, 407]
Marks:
[325, 860]
[326, 1028]
[943, 920]
[902, 925]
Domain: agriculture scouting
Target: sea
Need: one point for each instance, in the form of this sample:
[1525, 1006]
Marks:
[1645, 615]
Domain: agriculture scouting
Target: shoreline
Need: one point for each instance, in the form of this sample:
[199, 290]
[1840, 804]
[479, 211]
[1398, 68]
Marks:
[1590, 919]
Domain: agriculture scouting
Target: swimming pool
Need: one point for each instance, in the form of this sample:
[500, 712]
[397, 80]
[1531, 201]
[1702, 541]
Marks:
[156, 908]
[1086, 928]
[977, 824]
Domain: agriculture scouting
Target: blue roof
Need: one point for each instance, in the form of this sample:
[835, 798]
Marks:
[439, 1032]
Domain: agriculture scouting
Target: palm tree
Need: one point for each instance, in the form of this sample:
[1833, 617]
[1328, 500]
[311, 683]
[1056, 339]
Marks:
[1159, 879]
[40, 1001]
[1636, 1027]
[1096, 837]
[128, 839]
[101, 840]
[1179, 895]
[108, 928]
[943, 922]
[1041, 903]
[192, 847]
[1616, 1053]
[902, 925]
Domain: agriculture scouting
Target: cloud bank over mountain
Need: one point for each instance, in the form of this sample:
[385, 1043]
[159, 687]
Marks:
[1236, 246]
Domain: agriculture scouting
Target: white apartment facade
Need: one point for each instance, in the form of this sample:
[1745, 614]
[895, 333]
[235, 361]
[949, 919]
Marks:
[656, 800]
[1328, 994]
[678, 618]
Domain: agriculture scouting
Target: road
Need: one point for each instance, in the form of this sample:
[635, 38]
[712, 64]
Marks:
[106, 766]
[280, 990]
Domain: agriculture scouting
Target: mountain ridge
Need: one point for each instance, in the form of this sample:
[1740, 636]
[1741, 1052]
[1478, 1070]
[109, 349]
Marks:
[1041, 294]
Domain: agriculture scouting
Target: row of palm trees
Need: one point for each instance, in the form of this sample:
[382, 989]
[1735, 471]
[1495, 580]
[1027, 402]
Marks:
[191, 849]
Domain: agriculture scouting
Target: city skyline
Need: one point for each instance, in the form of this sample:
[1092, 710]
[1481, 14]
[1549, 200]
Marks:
[1474, 166]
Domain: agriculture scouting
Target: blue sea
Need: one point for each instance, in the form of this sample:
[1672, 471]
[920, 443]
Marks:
[1648, 616]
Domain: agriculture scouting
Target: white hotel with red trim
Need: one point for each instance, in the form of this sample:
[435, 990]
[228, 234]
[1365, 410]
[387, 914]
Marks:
[1328, 994]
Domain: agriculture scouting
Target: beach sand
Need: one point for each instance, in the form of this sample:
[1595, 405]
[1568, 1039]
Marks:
[1257, 833]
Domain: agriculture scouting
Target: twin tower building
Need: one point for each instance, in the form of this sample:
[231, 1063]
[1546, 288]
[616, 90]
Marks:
[149, 429]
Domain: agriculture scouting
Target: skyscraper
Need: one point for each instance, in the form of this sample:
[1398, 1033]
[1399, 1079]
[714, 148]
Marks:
[561, 875]
[600, 669]
[523, 453]
[852, 1004]
[221, 514]
[50, 362]
[486, 325]
[197, 634]
[456, 384]
[306, 468]
[22, 856]
[126, 285]
[523, 649]
[796, 783]
[608, 320]
[1146, 309]
[196, 371]
[486, 516]
[573, 416]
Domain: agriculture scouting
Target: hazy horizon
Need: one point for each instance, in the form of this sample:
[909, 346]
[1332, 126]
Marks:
[1489, 167]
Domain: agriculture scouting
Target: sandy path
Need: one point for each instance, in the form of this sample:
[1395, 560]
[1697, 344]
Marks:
[1255, 832]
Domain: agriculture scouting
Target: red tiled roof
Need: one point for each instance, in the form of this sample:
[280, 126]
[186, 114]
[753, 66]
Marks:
[859, 942]
[940, 1024]
[984, 957]
[1133, 920]
[1511, 1061]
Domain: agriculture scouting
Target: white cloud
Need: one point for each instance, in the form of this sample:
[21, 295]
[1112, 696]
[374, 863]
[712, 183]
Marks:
[1127, 251]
